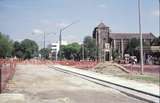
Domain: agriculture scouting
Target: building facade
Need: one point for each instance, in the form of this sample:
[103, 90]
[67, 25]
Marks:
[55, 49]
[107, 41]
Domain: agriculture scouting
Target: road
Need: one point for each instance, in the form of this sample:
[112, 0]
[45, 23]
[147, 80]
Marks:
[40, 84]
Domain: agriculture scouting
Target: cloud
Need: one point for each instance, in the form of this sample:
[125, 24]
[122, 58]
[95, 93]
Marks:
[156, 13]
[37, 31]
[102, 6]
[61, 24]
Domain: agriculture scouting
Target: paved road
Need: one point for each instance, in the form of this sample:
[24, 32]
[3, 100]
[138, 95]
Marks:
[40, 84]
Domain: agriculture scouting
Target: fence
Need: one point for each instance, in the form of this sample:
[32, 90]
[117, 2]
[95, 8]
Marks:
[77, 64]
[7, 70]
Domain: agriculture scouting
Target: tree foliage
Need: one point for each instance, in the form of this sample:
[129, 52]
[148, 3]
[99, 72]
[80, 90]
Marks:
[45, 53]
[29, 48]
[71, 51]
[26, 49]
[17, 50]
[132, 45]
[5, 46]
[90, 48]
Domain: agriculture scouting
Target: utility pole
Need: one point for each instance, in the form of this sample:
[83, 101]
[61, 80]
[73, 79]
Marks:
[141, 37]
[60, 43]
[97, 47]
[159, 18]
[60, 38]
[83, 52]
[44, 37]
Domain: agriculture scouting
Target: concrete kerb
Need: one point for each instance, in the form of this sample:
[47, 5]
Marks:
[127, 84]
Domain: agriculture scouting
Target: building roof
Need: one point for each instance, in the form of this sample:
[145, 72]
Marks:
[131, 35]
[101, 25]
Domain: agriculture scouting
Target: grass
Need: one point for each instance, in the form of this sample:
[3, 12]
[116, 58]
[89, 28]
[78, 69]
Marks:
[155, 79]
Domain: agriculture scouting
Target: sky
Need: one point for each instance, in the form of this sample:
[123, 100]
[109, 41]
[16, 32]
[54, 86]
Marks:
[22, 19]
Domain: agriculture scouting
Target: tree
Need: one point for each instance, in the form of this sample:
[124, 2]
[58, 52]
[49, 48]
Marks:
[45, 53]
[5, 46]
[29, 48]
[71, 51]
[17, 50]
[132, 45]
[90, 47]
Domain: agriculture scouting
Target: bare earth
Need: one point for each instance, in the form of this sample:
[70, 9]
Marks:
[40, 84]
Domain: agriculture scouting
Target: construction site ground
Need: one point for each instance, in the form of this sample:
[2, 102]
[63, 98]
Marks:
[110, 68]
[41, 84]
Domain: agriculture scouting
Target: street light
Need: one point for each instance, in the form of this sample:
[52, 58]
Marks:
[60, 37]
[141, 38]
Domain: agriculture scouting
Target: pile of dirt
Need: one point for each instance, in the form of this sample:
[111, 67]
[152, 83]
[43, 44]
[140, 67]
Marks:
[108, 68]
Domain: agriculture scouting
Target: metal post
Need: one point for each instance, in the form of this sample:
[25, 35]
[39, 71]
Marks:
[44, 40]
[60, 42]
[97, 56]
[100, 44]
[141, 38]
[83, 51]
[159, 18]
[60, 38]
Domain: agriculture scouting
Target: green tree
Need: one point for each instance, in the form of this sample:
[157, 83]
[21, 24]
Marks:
[5, 46]
[71, 51]
[29, 48]
[90, 47]
[132, 45]
[17, 50]
[45, 53]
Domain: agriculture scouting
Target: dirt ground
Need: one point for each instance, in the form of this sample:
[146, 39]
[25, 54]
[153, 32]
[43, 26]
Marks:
[109, 68]
[40, 84]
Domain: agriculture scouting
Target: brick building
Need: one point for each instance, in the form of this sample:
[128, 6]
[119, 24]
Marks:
[106, 41]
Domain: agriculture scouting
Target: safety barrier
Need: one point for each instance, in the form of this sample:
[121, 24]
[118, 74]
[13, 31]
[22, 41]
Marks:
[7, 70]
[77, 64]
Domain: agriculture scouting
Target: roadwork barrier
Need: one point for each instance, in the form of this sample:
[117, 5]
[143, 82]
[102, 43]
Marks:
[77, 64]
[7, 70]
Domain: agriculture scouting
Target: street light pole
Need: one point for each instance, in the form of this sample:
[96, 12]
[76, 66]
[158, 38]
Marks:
[83, 52]
[60, 38]
[44, 37]
[141, 37]
[159, 18]
[60, 43]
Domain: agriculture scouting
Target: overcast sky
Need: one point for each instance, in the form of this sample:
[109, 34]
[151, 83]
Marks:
[19, 18]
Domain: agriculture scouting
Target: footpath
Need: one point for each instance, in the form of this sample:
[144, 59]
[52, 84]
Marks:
[143, 87]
